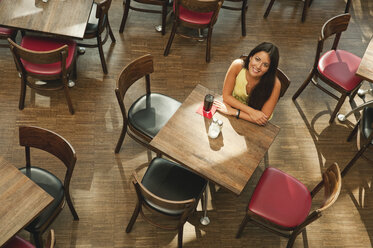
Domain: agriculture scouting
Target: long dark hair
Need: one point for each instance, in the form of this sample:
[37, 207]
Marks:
[263, 90]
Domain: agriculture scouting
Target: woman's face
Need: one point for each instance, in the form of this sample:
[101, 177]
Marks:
[259, 64]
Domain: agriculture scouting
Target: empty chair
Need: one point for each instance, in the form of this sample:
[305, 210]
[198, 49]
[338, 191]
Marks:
[96, 27]
[43, 58]
[56, 145]
[306, 5]
[365, 124]
[6, 33]
[335, 67]
[149, 113]
[243, 10]
[18, 242]
[195, 14]
[281, 203]
[170, 190]
[162, 3]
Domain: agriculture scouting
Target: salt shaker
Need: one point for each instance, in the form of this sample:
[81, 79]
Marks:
[220, 123]
[214, 128]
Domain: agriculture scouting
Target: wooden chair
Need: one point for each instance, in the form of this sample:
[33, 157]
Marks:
[6, 33]
[243, 10]
[306, 5]
[47, 59]
[127, 6]
[365, 139]
[170, 190]
[281, 204]
[335, 67]
[56, 145]
[18, 242]
[99, 24]
[149, 113]
[195, 14]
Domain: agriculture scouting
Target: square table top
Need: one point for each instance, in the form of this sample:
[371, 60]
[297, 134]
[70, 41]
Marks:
[60, 17]
[230, 159]
[365, 69]
[21, 200]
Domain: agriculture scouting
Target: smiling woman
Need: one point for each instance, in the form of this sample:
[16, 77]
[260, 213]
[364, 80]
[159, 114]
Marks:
[251, 88]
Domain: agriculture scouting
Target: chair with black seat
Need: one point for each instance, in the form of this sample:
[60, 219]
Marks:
[96, 26]
[281, 204]
[18, 242]
[164, 11]
[243, 10]
[56, 145]
[149, 113]
[306, 5]
[365, 136]
[336, 68]
[196, 14]
[43, 58]
[170, 190]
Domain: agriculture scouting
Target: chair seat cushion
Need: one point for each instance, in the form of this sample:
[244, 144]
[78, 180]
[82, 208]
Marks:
[171, 181]
[43, 44]
[340, 67]
[367, 122]
[18, 242]
[92, 25]
[7, 31]
[53, 186]
[149, 114]
[281, 199]
[194, 17]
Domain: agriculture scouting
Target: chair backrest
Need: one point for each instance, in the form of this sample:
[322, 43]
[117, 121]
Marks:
[332, 186]
[102, 14]
[146, 198]
[35, 57]
[200, 6]
[50, 240]
[284, 80]
[51, 142]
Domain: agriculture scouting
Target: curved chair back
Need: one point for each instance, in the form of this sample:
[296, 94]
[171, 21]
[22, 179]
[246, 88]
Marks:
[335, 25]
[332, 186]
[102, 14]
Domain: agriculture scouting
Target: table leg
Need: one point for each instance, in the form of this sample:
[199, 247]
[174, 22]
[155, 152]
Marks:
[205, 219]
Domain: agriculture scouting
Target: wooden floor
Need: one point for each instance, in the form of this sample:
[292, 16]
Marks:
[101, 185]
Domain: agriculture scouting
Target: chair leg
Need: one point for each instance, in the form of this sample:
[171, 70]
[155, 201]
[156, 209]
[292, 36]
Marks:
[68, 99]
[164, 17]
[268, 8]
[121, 138]
[291, 241]
[71, 206]
[242, 226]
[172, 35]
[338, 107]
[23, 94]
[303, 86]
[208, 48]
[348, 4]
[102, 56]
[38, 239]
[125, 15]
[305, 7]
[112, 37]
[133, 218]
[354, 131]
[243, 17]
[180, 236]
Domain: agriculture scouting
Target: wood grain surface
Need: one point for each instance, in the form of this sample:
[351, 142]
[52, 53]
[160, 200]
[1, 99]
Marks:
[365, 69]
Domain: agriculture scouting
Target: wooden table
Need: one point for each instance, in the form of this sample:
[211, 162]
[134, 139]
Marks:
[364, 71]
[21, 200]
[60, 17]
[228, 160]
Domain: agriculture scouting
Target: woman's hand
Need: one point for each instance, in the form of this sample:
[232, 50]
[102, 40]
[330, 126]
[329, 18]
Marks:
[224, 108]
[259, 117]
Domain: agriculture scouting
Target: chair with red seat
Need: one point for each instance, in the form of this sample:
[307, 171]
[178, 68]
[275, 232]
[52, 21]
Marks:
[281, 204]
[336, 67]
[6, 33]
[98, 23]
[43, 58]
[18, 242]
[196, 14]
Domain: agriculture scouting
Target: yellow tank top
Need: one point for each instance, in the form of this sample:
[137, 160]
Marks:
[239, 90]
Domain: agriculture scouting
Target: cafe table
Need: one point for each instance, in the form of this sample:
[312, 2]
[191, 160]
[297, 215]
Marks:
[365, 71]
[58, 17]
[21, 200]
[228, 160]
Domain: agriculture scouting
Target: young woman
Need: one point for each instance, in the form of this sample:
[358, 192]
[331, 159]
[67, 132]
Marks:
[251, 88]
